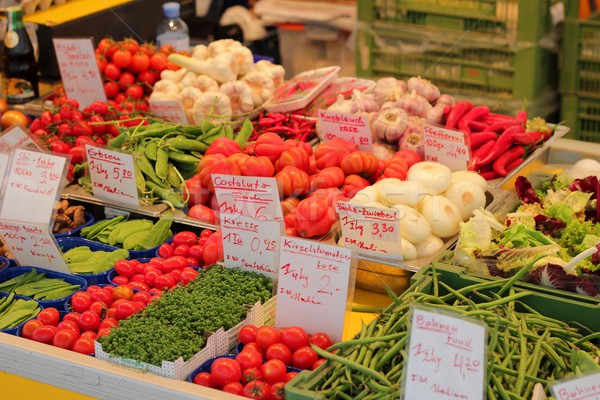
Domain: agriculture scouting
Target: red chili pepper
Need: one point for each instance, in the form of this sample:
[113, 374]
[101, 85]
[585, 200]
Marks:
[489, 175]
[477, 126]
[522, 117]
[514, 164]
[500, 126]
[527, 138]
[477, 139]
[479, 153]
[501, 163]
[457, 112]
[473, 114]
[504, 142]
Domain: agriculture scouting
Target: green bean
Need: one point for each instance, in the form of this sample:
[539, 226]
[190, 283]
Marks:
[523, 362]
[512, 372]
[516, 277]
[499, 388]
[587, 338]
[391, 353]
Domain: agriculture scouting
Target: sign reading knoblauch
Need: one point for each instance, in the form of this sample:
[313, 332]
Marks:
[352, 128]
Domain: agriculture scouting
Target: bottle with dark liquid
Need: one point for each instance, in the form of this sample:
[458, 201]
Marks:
[20, 68]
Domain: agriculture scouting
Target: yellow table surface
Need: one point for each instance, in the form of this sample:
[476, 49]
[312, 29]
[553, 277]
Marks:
[71, 10]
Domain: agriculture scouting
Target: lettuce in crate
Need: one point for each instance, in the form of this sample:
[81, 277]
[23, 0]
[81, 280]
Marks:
[558, 221]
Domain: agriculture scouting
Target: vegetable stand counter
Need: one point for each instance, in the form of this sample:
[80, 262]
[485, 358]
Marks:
[31, 370]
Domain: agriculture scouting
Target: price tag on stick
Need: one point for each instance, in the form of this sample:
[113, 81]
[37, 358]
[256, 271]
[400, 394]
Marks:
[371, 230]
[79, 70]
[446, 357]
[113, 176]
[249, 196]
[583, 388]
[251, 244]
[171, 110]
[313, 286]
[447, 147]
[352, 128]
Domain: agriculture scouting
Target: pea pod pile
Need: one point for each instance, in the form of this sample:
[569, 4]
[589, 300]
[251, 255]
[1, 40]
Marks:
[35, 285]
[83, 260]
[14, 312]
[166, 154]
[525, 347]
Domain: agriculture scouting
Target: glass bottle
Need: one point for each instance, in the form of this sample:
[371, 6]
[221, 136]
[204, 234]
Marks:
[20, 68]
[173, 30]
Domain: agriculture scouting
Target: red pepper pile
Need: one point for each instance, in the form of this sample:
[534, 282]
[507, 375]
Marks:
[499, 143]
[288, 126]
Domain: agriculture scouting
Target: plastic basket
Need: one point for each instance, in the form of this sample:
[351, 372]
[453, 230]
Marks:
[89, 219]
[57, 303]
[499, 20]
[503, 72]
[582, 115]
[580, 69]
[15, 329]
[68, 243]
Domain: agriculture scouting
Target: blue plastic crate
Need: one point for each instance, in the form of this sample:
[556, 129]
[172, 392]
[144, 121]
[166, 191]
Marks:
[68, 243]
[57, 303]
[89, 219]
[15, 329]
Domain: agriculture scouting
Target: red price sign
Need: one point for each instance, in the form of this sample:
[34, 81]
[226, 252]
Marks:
[352, 128]
[447, 147]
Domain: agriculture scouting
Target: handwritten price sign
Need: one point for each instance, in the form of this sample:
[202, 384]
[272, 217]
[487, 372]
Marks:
[249, 196]
[313, 286]
[112, 175]
[447, 147]
[446, 357]
[32, 186]
[33, 244]
[171, 110]
[586, 387]
[352, 128]
[79, 70]
[371, 230]
[16, 137]
[251, 244]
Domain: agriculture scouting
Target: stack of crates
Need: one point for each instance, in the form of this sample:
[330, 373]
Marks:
[580, 76]
[503, 53]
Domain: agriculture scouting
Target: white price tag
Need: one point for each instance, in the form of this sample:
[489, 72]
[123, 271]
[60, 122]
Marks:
[447, 147]
[251, 244]
[249, 196]
[312, 289]
[446, 357]
[350, 127]
[16, 137]
[584, 388]
[79, 70]
[371, 230]
[113, 176]
[171, 110]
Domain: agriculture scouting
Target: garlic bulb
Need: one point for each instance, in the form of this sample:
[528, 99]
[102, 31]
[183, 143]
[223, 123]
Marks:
[387, 105]
[175, 76]
[261, 84]
[200, 52]
[341, 105]
[390, 125]
[435, 114]
[166, 87]
[188, 97]
[243, 59]
[445, 99]
[362, 102]
[240, 95]
[221, 46]
[414, 104]
[205, 83]
[388, 89]
[275, 71]
[424, 88]
[187, 80]
[212, 106]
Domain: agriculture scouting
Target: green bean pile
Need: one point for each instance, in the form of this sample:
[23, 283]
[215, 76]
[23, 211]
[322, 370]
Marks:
[525, 347]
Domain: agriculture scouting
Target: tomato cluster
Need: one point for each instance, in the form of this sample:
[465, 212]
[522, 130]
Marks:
[130, 69]
[156, 275]
[199, 250]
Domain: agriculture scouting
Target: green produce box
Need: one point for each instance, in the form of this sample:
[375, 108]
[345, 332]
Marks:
[579, 312]
[582, 114]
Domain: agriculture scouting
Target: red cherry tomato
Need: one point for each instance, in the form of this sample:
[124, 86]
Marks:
[65, 339]
[321, 340]
[279, 351]
[294, 337]
[247, 334]
[204, 379]
[29, 327]
[225, 370]
[304, 357]
[266, 336]
[84, 345]
[184, 237]
[44, 334]
[49, 316]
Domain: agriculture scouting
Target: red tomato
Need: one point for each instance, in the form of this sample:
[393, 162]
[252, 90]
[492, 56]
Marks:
[252, 374]
[105, 43]
[135, 92]
[140, 62]
[174, 262]
[81, 301]
[125, 80]
[199, 194]
[204, 379]
[254, 346]
[182, 250]
[290, 375]
[192, 261]
[158, 61]
[197, 252]
[304, 357]
[184, 237]
[213, 249]
[257, 390]
[247, 334]
[266, 336]
[279, 351]
[84, 345]
[164, 281]
[111, 89]
[68, 324]
[121, 58]
[122, 292]
[188, 274]
[99, 307]
[65, 338]
[165, 250]
[411, 156]
[72, 316]
[142, 296]
[44, 334]
[202, 213]
[273, 371]
[249, 358]
[124, 268]
[278, 391]
[77, 154]
[146, 79]
[294, 337]
[176, 275]
[234, 387]
[60, 147]
[157, 263]
[318, 363]
[125, 309]
[225, 370]
[321, 340]
[150, 275]
[29, 327]
[108, 323]
[49, 316]
[89, 321]
[112, 72]
[120, 280]
[139, 286]
[104, 295]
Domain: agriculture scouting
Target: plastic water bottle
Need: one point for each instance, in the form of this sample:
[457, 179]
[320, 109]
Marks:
[173, 30]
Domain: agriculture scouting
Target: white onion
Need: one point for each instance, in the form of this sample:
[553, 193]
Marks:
[469, 176]
[434, 176]
[467, 196]
[429, 247]
[400, 192]
[413, 226]
[443, 216]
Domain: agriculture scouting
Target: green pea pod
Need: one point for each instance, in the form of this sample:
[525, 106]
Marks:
[159, 232]
[183, 158]
[151, 149]
[192, 130]
[168, 195]
[156, 130]
[244, 133]
[140, 180]
[137, 225]
[16, 317]
[206, 126]
[118, 141]
[134, 240]
[89, 265]
[161, 167]
[6, 302]
[228, 131]
[173, 176]
[186, 144]
[77, 254]
[90, 232]
[109, 261]
[147, 168]
[215, 131]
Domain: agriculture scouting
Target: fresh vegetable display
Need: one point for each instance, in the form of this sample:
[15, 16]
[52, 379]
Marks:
[85, 261]
[68, 217]
[558, 220]
[14, 312]
[174, 326]
[288, 126]
[37, 286]
[133, 234]
[156, 275]
[525, 348]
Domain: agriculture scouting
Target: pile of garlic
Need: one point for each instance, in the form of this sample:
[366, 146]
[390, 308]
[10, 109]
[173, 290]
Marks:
[219, 82]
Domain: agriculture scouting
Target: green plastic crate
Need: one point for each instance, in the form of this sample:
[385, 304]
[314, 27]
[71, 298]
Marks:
[582, 115]
[498, 20]
[580, 69]
[582, 311]
[506, 72]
